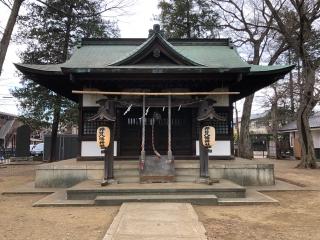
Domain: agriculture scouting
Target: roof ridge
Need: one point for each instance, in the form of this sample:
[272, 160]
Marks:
[154, 37]
[173, 41]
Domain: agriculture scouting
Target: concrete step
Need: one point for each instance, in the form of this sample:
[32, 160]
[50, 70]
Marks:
[89, 190]
[126, 173]
[186, 178]
[126, 165]
[128, 179]
[208, 199]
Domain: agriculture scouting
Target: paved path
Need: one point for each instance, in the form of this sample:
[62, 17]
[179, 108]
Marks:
[156, 221]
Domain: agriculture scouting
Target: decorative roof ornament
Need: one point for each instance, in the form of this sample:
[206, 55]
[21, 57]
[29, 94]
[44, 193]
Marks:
[151, 46]
[105, 112]
[156, 30]
[156, 52]
[206, 111]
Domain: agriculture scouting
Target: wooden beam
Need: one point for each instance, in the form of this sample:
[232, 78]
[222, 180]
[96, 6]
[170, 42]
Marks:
[154, 93]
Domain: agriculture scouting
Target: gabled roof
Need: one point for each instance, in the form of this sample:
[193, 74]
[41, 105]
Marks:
[8, 114]
[156, 58]
[158, 45]
[4, 130]
[256, 116]
[107, 54]
[314, 122]
[210, 54]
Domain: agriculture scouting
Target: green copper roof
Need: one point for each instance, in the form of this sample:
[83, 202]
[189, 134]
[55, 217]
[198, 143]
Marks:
[213, 56]
[116, 55]
[144, 63]
[157, 37]
[208, 54]
[262, 68]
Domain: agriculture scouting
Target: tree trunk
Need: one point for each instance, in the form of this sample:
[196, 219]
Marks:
[307, 103]
[54, 128]
[57, 104]
[245, 150]
[274, 126]
[4, 43]
[291, 88]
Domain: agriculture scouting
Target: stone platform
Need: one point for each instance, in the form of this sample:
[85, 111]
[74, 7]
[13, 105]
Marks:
[70, 172]
[90, 193]
[195, 193]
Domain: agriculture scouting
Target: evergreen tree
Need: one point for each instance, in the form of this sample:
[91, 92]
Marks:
[50, 31]
[188, 18]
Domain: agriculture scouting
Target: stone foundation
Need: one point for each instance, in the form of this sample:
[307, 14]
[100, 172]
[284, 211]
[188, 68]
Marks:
[69, 172]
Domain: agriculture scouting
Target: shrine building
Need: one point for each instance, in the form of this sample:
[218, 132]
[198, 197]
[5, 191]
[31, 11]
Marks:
[125, 83]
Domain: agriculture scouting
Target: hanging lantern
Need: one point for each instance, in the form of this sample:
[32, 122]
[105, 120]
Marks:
[208, 136]
[103, 137]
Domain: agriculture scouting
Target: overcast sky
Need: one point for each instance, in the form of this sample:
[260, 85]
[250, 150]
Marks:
[134, 25]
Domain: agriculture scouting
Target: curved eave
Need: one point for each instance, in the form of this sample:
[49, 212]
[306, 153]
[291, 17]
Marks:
[281, 70]
[153, 70]
[256, 80]
[53, 80]
[36, 69]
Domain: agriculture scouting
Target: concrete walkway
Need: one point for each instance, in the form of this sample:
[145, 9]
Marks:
[156, 221]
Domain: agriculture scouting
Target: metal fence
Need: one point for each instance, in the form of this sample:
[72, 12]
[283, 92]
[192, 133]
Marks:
[66, 146]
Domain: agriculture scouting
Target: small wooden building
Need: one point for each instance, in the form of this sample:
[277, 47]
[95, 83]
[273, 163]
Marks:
[292, 129]
[101, 69]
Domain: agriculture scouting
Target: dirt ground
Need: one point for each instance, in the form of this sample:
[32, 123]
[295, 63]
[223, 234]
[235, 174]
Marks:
[296, 217]
[19, 220]
[286, 169]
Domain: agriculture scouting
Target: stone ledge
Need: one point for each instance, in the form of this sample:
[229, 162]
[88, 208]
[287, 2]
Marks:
[63, 174]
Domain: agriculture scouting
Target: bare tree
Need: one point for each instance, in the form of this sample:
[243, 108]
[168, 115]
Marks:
[7, 3]
[69, 15]
[245, 19]
[6, 37]
[302, 36]
[14, 6]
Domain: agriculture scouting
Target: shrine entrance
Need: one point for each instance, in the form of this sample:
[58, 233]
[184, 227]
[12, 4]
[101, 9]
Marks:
[131, 125]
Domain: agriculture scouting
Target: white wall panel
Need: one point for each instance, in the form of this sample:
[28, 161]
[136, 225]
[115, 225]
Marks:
[90, 100]
[91, 149]
[221, 148]
[316, 138]
[221, 100]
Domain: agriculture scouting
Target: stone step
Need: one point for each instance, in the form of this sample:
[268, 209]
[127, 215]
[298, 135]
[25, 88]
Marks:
[126, 172]
[208, 199]
[128, 179]
[186, 178]
[89, 190]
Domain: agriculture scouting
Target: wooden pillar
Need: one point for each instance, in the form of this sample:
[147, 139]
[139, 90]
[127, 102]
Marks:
[108, 163]
[143, 152]
[109, 151]
[169, 130]
[204, 157]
